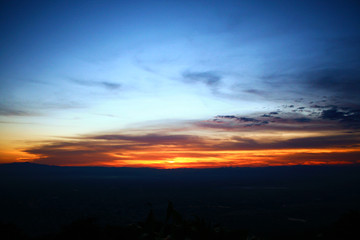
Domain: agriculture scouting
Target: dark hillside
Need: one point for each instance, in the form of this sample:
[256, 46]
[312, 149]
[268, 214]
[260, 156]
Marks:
[40, 199]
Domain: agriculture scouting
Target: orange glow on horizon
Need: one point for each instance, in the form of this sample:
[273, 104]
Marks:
[166, 151]
[171, 159]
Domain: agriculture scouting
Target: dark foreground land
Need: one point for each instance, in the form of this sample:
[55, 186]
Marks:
[299, 202]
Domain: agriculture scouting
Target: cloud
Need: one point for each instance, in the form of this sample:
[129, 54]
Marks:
[257, 92]
[104, 84]
[337, 82]
[267, 121]
[306, 158]
[302, 120]
[330, 84]
[323, 142]
[110, 85]
[350, 118]
[102, 149]
[157, 149]
[211, 79]
[32, 107]
[234, 140]
[314, 118]
[342, 114]
[332, 114]
[141, 150]
[332, 70]
[152, 139]
[249, 121]
[9, 111]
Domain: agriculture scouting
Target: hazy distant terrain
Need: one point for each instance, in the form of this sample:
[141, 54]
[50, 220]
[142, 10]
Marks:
[40, 198]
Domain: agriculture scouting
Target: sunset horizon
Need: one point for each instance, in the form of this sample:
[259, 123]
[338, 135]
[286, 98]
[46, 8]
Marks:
[172, 84]
[179, 119]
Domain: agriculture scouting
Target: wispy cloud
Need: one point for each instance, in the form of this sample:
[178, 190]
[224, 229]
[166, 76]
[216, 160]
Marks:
[103, 84]
[346, 141]
[209, 78]
[13, 111]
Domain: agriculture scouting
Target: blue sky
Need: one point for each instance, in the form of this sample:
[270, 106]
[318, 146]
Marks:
[71, 68]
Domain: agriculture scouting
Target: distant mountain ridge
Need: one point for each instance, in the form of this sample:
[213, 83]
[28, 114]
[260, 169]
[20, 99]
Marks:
[24, 164]
[279, 173]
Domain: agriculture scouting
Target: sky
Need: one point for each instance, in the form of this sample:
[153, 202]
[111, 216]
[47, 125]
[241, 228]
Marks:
[172, 84]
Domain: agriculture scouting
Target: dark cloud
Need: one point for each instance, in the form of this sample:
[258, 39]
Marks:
[315, 118]
[302, 120]
[269, 119]
[332, 114]
[249, 121]
[342, 114]
[240, 119]
[211, 79]
[349, 118]
[246, 119]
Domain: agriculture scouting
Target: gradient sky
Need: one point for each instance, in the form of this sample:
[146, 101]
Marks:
[180, 83]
